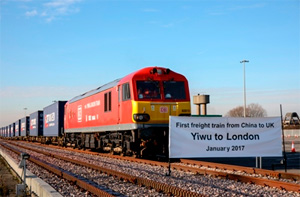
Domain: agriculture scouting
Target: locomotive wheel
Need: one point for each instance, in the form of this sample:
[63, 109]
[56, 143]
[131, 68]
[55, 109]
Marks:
[78, 144]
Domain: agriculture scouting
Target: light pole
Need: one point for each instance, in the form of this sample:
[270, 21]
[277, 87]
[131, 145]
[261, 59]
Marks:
[258, 160]
[25, 111]
[244, 61]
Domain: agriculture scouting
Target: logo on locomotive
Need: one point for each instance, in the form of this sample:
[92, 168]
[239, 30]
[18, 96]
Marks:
[163, 109]
[79, 113]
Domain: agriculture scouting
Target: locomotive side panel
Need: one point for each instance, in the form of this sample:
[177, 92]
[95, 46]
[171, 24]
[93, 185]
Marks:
[90, 113]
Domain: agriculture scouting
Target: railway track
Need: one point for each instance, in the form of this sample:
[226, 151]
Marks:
[270, 178]
[266, 178]
[85, 184]
[79, 181]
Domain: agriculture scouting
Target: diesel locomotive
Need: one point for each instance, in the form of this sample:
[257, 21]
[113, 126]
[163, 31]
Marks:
[128, 116]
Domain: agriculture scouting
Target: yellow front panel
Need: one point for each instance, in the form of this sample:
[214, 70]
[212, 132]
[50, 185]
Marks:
[160, 111]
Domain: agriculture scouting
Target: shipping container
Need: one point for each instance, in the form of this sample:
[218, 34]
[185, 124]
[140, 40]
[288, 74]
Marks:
[12, 130]
[9, 134]
[54, 119]
[6, 131]
[25, 126]
[17, 127]
[36, 123]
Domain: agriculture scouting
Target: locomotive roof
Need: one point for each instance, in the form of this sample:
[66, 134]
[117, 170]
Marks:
[95, 91]
[150, 71]
[142, 72]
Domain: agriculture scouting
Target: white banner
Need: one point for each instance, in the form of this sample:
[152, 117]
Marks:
[224, 137]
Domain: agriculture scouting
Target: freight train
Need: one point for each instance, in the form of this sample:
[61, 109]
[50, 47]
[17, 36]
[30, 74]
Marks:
[128, 116]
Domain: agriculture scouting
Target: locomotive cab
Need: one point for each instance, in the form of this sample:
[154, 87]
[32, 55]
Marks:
[157, 95]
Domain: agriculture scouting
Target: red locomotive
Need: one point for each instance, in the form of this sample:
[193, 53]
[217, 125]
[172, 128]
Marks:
[130, 115]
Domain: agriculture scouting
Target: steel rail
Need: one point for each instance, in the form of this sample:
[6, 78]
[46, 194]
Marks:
[242, 178]
[249, 170]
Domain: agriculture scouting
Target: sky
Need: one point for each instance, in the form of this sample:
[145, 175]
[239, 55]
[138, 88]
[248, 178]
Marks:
[54, 50]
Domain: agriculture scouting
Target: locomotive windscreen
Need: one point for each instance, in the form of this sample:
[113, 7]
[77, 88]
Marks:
[174, 90]
[148, 89]
[152, 90]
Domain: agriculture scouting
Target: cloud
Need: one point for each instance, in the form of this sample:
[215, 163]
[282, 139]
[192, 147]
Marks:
[61, 3]
[50, 19]
[53, 9]
[58, 8]
[252, 6]
[150, 10]
[217, 13]
[227, 10]
[168, 25]
[31, 13]
[23, 0]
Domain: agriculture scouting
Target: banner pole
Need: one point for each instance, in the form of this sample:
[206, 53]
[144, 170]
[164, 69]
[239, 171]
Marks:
[169, 151]
[169, 168]
[284, 153]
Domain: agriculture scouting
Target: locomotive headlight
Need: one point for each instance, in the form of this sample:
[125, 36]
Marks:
[141, 117]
